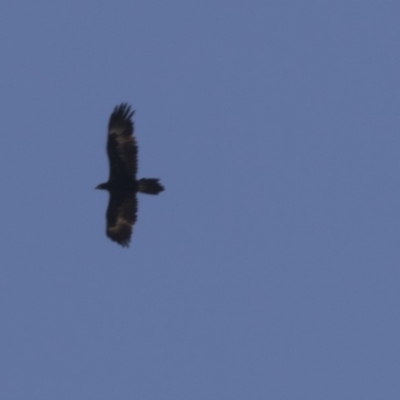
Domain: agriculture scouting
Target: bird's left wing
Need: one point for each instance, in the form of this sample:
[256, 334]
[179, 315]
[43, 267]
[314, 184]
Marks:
[121, 145]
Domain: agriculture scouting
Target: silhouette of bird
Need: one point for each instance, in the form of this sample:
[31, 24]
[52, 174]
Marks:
[122, 184]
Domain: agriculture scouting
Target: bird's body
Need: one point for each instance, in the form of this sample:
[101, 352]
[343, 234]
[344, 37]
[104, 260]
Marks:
[122, 184]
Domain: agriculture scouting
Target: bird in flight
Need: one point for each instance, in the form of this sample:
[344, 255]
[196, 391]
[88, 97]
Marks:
[122, 184]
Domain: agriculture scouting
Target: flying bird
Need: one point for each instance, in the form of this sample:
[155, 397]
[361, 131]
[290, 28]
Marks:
[122, 184]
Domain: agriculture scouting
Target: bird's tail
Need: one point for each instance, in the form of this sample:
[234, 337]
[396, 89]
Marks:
[150, 186]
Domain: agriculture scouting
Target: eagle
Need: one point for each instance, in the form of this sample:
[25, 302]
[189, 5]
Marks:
[122, 184]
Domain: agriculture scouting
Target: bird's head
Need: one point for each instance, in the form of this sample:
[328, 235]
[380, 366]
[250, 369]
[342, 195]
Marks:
[103, 186]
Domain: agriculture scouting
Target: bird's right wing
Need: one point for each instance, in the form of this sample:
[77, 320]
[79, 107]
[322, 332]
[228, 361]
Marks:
[121, 216]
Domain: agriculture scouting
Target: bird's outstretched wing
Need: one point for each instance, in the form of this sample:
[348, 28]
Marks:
[121, 144]
[121, 216]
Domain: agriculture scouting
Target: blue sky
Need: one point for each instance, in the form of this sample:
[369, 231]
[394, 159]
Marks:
[269, 268]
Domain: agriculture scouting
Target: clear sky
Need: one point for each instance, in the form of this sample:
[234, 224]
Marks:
[269, 268]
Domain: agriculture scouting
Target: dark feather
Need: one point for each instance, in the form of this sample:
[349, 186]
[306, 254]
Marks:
[121, 146]
[121, 216]
[122, 185]
[149, 186]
